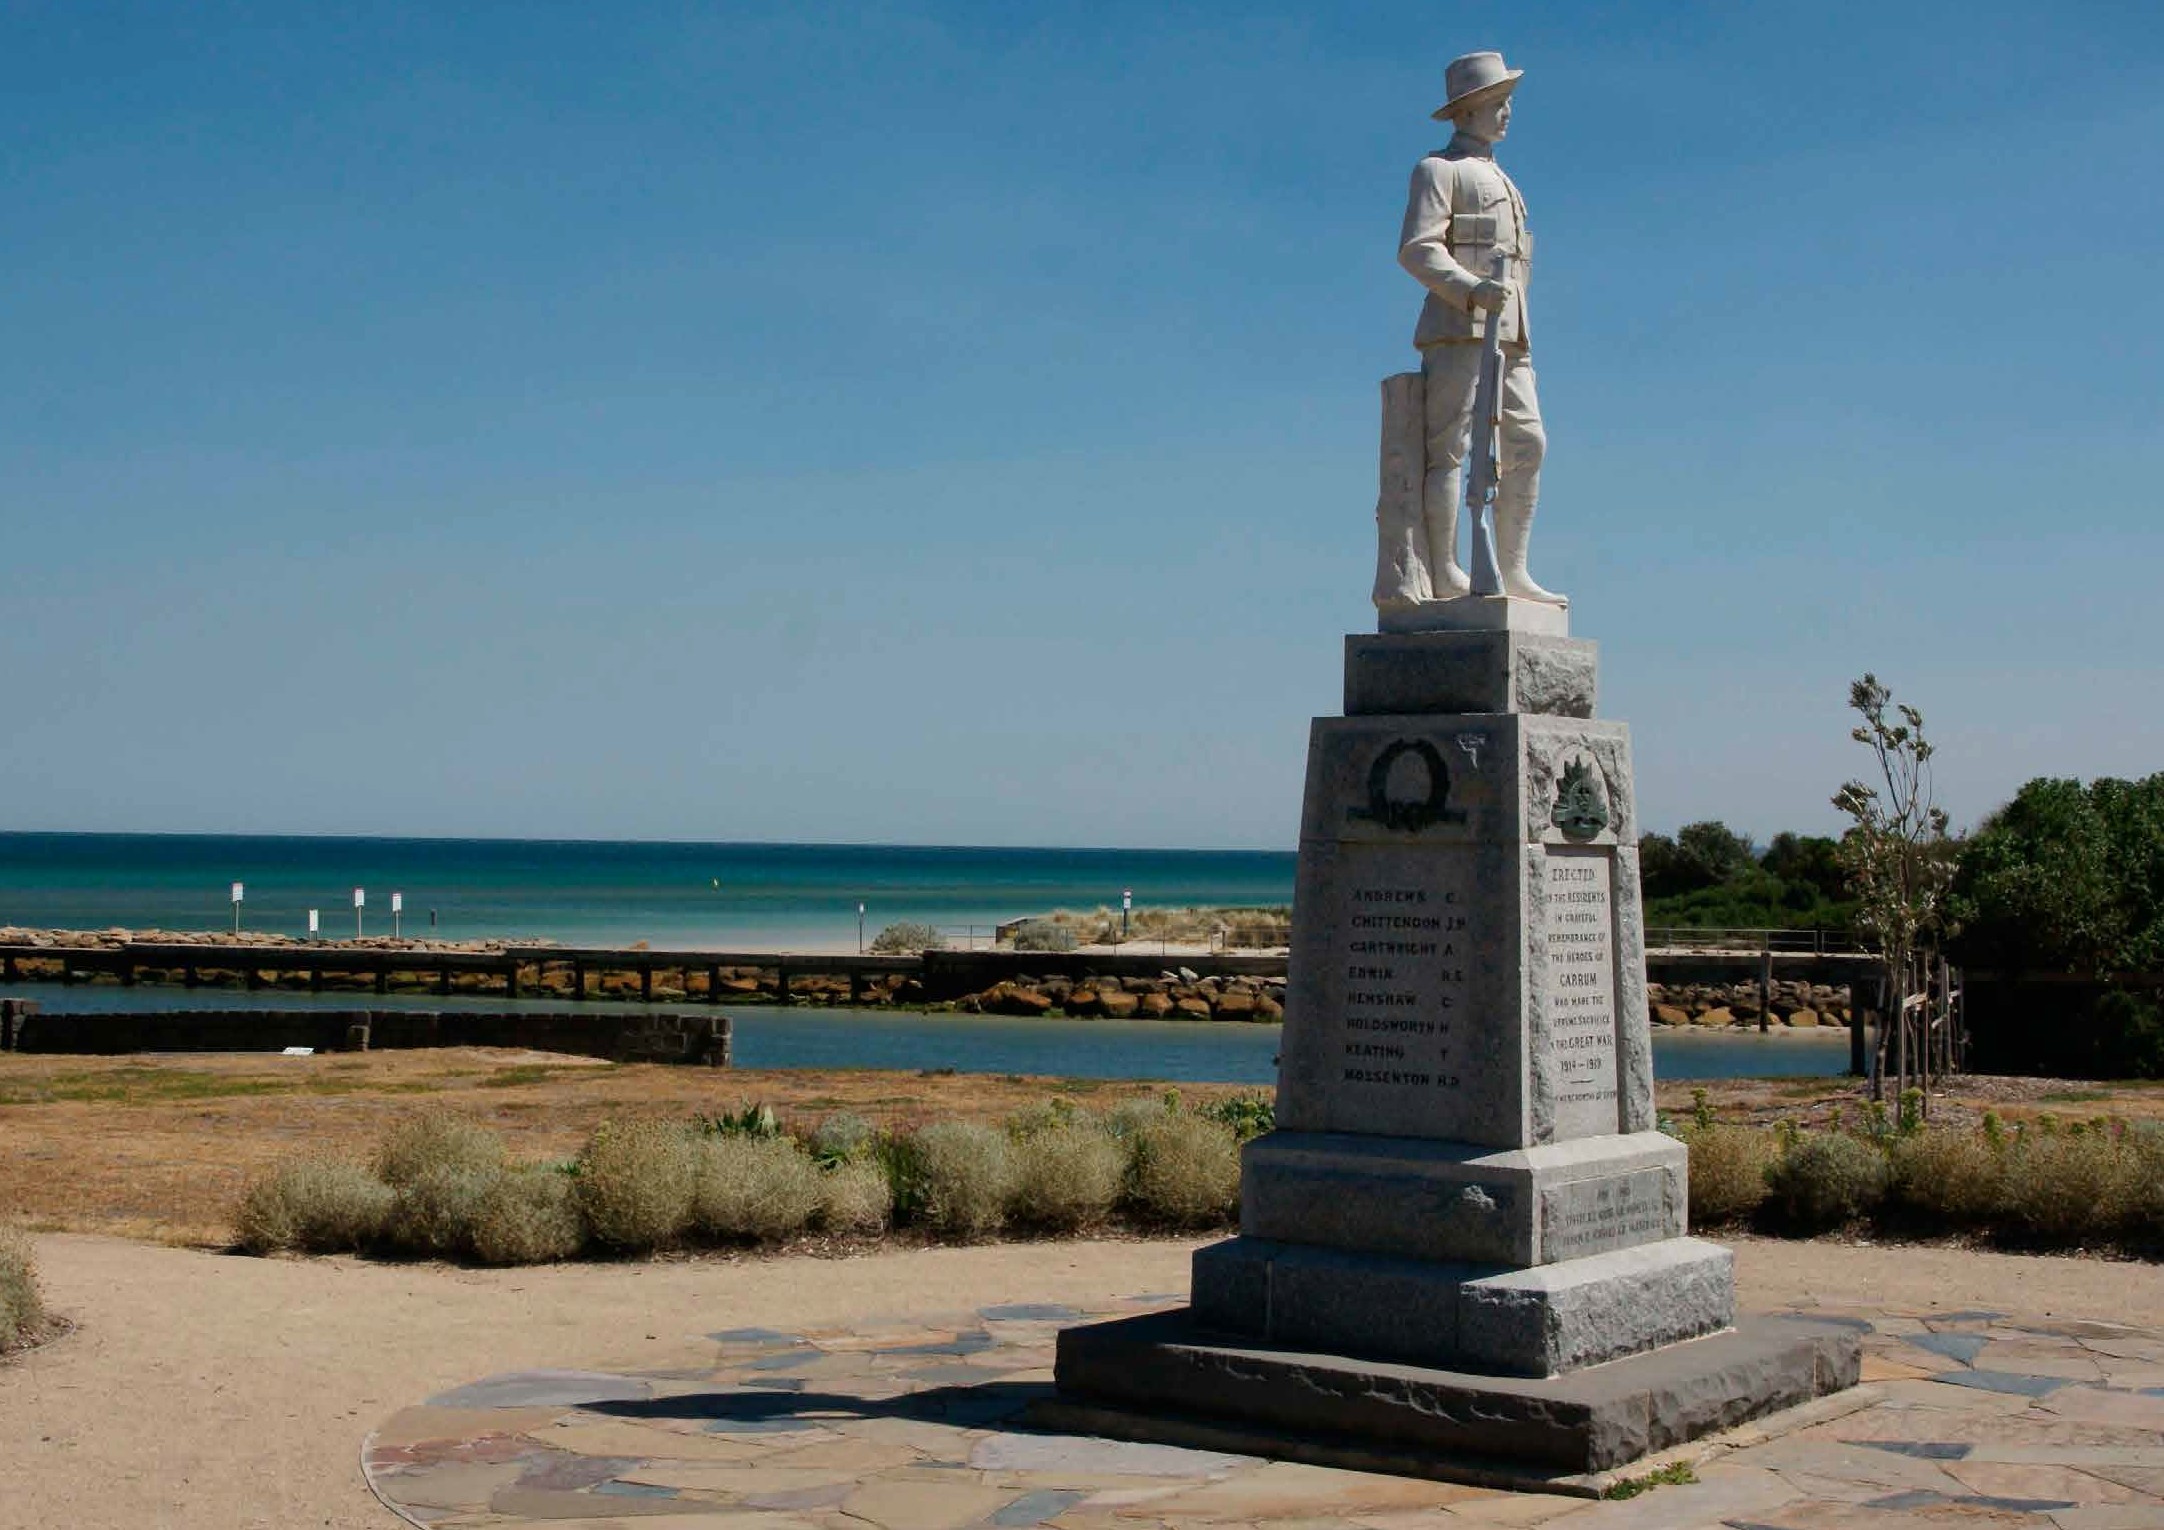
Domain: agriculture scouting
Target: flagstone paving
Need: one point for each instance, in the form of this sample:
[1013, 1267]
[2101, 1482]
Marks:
[1967, 1419]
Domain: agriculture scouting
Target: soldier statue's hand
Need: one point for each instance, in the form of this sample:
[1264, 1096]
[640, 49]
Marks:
[1488, 295]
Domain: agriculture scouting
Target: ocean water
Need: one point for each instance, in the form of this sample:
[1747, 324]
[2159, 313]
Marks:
[578, 892]
[767, 1037]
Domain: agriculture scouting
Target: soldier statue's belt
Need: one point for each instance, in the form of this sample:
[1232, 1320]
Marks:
[1484, 229]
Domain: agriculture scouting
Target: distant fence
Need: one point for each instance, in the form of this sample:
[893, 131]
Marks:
[1786, 942]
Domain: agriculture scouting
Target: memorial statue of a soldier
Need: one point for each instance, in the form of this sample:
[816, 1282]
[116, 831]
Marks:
[1465, 240]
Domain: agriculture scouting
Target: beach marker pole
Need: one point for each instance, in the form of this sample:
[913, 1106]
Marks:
[238, 890]
[860, 929]
[1127, 906]
[360, 901]
[314, 926]
[398, 907]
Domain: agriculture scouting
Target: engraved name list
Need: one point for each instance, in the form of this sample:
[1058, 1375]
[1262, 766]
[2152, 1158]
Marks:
[1400, 954]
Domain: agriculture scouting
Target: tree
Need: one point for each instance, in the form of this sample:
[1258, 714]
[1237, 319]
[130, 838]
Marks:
[1897, 856]
[2067, 878]
[1714, 852]
[1807, 862]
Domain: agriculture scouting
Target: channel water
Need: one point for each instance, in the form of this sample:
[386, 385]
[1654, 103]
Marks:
[807, 1037]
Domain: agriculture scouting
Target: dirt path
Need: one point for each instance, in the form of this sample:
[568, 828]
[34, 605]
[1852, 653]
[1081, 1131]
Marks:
[217, 1391]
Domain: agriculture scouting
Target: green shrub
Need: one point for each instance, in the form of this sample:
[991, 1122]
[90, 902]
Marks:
[1184, 1170]
[2064, 1186]
[635, 1183]
[529, 1215]
[1249, 1115]
[962, 1175]
[435, 1138]
[1044, 935]
[754, 1187]
[1953, 1178]
[22, 1306]
[1827, 1178]
[842, 1136]
[1727, 1172]
[747, 1121]
[316, 1205]
[1067, 1176]
[854, 1197]
[906, 937]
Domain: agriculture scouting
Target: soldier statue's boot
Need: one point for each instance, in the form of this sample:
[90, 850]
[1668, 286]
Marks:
[1447, 580]
[1513, 530]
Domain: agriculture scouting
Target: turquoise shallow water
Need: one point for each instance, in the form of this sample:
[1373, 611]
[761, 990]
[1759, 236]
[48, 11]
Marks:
[710, 896]
[816, 1038]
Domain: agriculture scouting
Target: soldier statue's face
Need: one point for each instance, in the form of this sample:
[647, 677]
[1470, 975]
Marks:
[1487, 120]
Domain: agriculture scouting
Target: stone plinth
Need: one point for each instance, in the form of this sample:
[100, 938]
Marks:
[1466, 1177]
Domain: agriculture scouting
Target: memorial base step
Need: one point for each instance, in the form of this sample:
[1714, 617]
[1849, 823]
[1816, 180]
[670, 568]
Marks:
[1539, 1321]
[1457, 1201]
[1163, 1377]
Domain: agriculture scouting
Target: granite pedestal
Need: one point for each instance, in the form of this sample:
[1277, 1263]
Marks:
[1466, 1181]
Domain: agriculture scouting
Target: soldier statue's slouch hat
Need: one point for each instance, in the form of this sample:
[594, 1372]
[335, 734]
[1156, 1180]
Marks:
[1474, 77]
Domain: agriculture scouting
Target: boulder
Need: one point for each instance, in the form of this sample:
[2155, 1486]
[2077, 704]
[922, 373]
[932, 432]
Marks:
[1671, 1014]
[1116, 1005]
[1805, 1017]
[1235, 1006]
[1013, 999]
[1191, 1009]
[1081, 1002]
[1718, 1015]
[1155, 1006]
[1267, 1008]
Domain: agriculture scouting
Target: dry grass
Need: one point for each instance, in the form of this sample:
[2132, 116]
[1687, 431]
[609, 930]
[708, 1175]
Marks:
[1949, 1177]
[528, 1216]
[1259, 927]
[761, 1188]
[1185, 1170]
[22, 1306]
[162, 1147]
[2065, 1188]
[637, 1183]
[855, 1198]
[963, 1175]
[434, 1140]
[435, 1211]
[1827, 1178]
[316, 1204]
[1727, 1172]
[1067, 1176]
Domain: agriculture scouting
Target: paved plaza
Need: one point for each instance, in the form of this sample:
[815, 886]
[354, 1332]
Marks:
[1966, 1419]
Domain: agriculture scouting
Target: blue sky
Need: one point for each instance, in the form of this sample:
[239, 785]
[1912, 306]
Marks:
[956, 423]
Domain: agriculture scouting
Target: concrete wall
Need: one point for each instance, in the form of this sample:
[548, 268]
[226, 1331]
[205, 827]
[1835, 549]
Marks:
[620, 1036]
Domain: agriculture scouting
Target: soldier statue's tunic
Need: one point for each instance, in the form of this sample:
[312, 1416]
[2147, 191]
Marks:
[1462, 214]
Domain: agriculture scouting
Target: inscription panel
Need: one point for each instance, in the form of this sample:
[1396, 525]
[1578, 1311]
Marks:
[1592, 1216]
[1396, 991]
[1579, 921]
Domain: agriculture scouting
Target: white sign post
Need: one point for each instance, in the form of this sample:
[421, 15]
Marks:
[860, 929]
[398, 906]
[1127, 907]
[238, 892]
[360, 901]
[315, 924]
